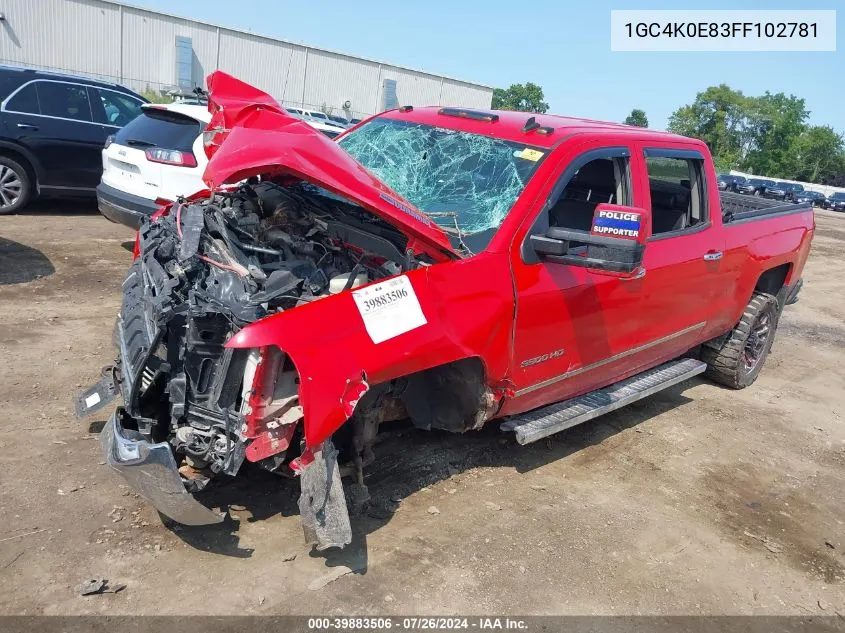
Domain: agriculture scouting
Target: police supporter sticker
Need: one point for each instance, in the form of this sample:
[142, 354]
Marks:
[389, 308]
[624, 224]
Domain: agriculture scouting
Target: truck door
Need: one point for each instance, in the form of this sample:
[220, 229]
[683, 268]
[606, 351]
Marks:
[573, 324]
[683, 257]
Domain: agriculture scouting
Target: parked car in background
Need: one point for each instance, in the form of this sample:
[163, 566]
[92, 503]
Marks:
[793, 189]
[776, 191]
[319, 121]
[154, 159]
[816, 198]
[315, 115]
[339, 120]
[332, 131]
[836, 201]
[729, 182]
[754, 186]
[197, 96]
[52, 130]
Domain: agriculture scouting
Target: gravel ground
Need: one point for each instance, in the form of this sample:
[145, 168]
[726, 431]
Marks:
[699, 500]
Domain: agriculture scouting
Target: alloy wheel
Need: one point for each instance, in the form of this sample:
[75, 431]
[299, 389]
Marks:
[755, 346]
[11, 186]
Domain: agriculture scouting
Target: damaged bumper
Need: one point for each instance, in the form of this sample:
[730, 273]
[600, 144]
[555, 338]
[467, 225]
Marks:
[151, 470]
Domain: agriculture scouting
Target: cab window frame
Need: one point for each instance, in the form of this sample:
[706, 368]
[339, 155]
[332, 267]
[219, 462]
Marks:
[541, 224]
[696, 158]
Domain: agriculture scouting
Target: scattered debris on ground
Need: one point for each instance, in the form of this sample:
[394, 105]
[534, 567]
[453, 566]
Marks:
[769, 544]
[98, 586]
[334, 574]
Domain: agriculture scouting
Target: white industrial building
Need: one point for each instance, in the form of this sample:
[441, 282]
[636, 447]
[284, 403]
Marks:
[148, 50]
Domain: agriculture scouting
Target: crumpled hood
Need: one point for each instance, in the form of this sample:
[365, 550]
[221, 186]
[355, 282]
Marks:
[251, 134]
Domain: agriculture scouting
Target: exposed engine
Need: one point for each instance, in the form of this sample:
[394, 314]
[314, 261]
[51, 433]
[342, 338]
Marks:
[204, 271]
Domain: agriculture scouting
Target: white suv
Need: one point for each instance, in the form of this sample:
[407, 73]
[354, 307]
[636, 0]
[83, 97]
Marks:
[319, 121]
[155, 158]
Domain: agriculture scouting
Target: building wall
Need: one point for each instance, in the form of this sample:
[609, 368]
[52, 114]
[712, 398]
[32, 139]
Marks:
[63, 35]
[136, 47]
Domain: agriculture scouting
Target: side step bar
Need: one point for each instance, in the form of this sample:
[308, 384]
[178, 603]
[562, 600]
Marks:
[539, 423]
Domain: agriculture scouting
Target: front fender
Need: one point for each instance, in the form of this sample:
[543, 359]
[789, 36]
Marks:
[468, 307]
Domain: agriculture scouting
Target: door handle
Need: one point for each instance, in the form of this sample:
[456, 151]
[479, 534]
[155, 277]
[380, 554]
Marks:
[27, 126]
[640, 274]
[713, 256]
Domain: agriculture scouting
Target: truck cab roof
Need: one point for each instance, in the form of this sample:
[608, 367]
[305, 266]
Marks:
[540, 130]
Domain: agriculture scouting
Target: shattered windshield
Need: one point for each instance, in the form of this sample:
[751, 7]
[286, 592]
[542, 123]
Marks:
[458, 178]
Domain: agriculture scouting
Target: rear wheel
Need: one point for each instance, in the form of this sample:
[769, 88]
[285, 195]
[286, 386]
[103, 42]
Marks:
[737, 360]
[15, 186]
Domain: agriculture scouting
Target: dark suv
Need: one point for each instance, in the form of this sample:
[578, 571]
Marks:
[754, 186]
[52, 131]
[836, 201]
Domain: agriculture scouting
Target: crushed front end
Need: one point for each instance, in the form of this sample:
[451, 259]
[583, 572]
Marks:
[194, 409]
[281, 316]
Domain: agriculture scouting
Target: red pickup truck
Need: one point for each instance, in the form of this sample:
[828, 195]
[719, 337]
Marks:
[445, 266]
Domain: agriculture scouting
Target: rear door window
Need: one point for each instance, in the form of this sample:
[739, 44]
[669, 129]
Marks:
[64, 100]
[117, 109]
[676, 187]
[26, 101]
[160, 128]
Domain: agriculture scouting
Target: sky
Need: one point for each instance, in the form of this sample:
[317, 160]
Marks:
[562, 46]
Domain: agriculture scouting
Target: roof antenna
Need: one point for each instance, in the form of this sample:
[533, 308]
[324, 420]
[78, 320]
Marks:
[530, 124]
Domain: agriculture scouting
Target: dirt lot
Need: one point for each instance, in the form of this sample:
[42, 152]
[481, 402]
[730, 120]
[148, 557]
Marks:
[698, 500]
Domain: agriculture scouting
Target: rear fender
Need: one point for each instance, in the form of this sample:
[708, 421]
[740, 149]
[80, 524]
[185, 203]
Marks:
[468, 310]
[782, 247]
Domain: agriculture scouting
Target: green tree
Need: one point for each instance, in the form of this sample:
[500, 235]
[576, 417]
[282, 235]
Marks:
[526, 97]
[637, 117]
[153, 96]
[819, 154]
[766, 135]
[720, 117]
[776, 122]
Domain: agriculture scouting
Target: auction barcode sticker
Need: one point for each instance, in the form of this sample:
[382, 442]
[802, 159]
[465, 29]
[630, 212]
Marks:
[389, 308]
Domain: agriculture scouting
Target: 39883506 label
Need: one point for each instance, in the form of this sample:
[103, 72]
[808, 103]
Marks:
[389, 308]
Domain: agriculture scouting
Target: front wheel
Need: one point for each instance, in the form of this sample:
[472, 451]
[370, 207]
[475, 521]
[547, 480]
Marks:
[737, 360]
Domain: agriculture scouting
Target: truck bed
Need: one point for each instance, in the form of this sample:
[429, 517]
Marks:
[737, 207]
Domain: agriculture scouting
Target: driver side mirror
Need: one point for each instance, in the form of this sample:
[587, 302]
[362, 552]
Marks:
[616, 241]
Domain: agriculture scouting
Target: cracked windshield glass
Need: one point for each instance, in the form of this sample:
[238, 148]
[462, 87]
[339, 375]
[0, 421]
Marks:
[461, 180]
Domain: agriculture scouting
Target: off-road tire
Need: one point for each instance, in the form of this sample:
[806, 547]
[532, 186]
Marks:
[729, 362]
[13, 171]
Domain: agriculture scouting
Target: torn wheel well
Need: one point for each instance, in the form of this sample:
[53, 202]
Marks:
[772, 280]
[451, 397]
